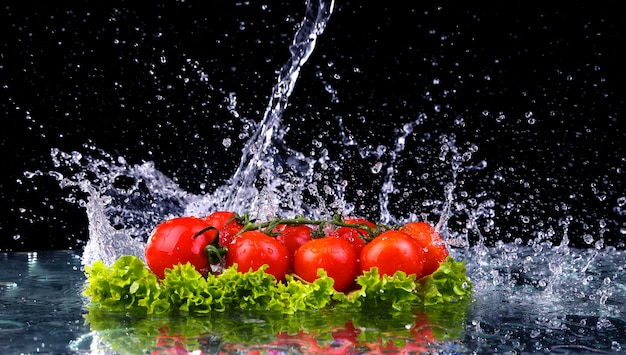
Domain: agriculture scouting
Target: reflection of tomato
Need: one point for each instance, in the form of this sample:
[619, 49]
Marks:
[167, 344]
[435, 250]
[177, 241]
[307, 343]
[302, 341]
[392, 251]
[356, 236]
[253, 249]
[226, 224]
[347, 334]
[380, 348]
[422, 329]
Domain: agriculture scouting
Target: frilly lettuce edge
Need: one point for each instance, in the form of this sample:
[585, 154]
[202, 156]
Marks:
[129, 286]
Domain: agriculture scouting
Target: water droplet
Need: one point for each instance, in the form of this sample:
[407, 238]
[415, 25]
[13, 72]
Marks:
[376, 168]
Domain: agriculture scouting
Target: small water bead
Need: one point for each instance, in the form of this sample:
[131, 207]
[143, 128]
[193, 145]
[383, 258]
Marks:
[376, 168]
[604, 323]
[599, 244]
[616, 346]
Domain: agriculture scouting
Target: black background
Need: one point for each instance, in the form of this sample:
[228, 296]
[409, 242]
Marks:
[537, 88]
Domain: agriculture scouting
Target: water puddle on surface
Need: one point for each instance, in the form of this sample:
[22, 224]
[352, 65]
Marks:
[530, 296]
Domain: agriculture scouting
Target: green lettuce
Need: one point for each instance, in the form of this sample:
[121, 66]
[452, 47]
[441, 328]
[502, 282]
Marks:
[449, 283]
[129, 286]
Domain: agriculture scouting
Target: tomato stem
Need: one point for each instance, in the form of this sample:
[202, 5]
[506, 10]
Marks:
[215, 254]
[203, 230]
[268, 227]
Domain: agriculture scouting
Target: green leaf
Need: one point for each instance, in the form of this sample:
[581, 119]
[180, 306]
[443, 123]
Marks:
[129, 286]
[125, 286]
[449, 283]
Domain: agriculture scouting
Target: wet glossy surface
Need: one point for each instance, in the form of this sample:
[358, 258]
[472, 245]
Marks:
[526, 308]
[41, 309]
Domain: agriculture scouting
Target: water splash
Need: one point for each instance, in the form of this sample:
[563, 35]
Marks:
[265, 156]
[124, 202]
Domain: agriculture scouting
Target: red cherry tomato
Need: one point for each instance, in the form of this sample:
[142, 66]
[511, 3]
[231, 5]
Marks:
[435, 250]
[356, 236]
[335, 255]
[391, 251]
[253, 249]
[293, 236]
[177, 241]
[226, 224]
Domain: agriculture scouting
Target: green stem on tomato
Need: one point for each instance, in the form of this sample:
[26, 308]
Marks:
[203, 230]
[215, 254]
[267, 227]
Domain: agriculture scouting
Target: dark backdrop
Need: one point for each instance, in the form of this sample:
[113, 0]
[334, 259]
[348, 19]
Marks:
[536, 88]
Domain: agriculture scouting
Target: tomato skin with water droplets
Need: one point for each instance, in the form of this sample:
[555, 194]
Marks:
[252, 249]
[393, 251]
[177, 241]
[293, 236]
[335, 255]
[226, 224]
[435, 250]
[356, 236]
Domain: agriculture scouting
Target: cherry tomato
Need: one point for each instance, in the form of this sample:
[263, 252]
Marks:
[253, 249]
[335, 255]
[293, 236]
[391, 251]
[435, 250]
[356, 236]
[226, 224]
[176, 241]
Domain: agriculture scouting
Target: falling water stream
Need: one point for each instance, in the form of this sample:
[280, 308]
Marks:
[535, 296]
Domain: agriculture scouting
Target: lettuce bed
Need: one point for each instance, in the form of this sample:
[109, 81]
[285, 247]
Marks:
[129, 286]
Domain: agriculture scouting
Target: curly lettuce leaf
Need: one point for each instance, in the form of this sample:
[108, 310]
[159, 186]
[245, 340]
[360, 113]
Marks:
[129, 286]
[397, 292]
[449, 283]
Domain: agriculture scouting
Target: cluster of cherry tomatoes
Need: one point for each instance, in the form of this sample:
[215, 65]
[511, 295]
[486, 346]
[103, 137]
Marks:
[344, 248]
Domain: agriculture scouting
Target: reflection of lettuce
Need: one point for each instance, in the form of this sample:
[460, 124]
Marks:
[238, 332]
[128, 285]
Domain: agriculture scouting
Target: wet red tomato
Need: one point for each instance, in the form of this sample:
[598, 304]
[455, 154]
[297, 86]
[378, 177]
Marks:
[435, 250]
[356, 236]
[335, 255]
[177, 241]
[226, 224]
[253, 249]
[293, 236]
[392, 251]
